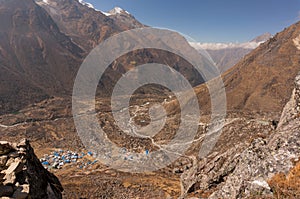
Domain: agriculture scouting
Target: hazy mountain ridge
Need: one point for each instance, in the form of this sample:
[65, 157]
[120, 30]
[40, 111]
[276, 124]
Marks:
[226, 55]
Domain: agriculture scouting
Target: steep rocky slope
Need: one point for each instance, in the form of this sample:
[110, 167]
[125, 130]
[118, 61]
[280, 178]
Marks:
[34, 56]
[263, 80]
[43, 44]
[240, 174]
[261, 83]
[23, 176]
[84, 24]
[88, 27]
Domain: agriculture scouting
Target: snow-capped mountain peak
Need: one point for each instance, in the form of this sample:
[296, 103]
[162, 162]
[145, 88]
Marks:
[114, 11]
[86, 4]
[117, 10]
[53, 2]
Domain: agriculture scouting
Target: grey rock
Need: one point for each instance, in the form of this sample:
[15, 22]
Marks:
[12, 160]
[241, 172]
[23, 143]
[9, 179]
[23, 171]
[15, 167]
[264, 158]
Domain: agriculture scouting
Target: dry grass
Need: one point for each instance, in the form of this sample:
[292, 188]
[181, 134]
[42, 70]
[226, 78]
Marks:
[286, 186]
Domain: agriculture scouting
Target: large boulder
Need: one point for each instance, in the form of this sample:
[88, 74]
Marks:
[22, 175]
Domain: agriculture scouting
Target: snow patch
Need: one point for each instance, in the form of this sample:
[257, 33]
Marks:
[86, 4]
[89, 5]
[117, 10]
[220, 46]
[297, 42]
[43, 2]
[105, 13]
[114, 11]
[261, 183]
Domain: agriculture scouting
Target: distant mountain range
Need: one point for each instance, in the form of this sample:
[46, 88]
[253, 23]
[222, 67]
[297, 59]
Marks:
[226, 55]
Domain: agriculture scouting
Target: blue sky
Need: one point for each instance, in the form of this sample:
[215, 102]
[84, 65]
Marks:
[212, 20]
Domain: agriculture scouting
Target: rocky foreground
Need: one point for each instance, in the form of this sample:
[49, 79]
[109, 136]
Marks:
[249, 173]
[23, 176]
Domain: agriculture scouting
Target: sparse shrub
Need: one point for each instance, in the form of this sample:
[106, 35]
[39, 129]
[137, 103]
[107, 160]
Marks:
[286, 186]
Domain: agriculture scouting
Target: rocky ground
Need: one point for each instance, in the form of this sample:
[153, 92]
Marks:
[50, 124]
[231, 170]
[238, 173]
[23, 176]
[247, 138]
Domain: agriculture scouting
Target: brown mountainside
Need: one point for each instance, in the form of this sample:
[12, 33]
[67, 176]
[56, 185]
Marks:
[86, 26]
[36, 58]
[263, 80]
[43, 45]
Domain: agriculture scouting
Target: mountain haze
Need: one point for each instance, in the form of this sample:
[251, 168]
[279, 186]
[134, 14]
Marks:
[226, 55]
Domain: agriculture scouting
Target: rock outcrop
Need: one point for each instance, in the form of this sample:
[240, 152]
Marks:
[23, 176]
[241, 173]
